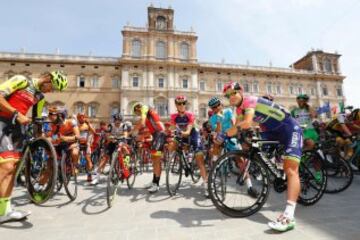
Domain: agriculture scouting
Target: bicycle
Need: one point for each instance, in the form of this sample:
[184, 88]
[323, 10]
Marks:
[38, 161]
[339, 171]
[227, 188]
[117, 172]
[182, 160]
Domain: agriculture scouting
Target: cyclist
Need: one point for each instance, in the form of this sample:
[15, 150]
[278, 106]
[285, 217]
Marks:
[116, 129]
[304, 115]
[86, 130]
[64, 133]
[220, 122]
[185, 121]
[341, 126]
[150, 119]
[17, 95]
[276, 124]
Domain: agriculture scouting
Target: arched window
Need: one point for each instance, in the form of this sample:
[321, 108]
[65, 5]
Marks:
[92, 109]
[79, 107]
[135, 80]
[161, 106]
[160, 50]
[95, 81]
[136, 48]
[184, 50]
[115, 82]
[161, 23]
[114, 108]
[203, 111]
[327, 65]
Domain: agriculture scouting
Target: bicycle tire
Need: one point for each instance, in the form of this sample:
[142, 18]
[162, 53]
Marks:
[40, 197]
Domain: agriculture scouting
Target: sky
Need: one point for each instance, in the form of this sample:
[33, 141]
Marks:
[234, 31]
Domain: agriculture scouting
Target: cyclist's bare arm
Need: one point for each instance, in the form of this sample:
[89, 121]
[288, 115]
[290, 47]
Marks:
[246, 123]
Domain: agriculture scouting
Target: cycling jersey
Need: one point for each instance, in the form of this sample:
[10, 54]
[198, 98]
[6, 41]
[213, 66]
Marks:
[225, 119]
[119, 131]
[182, 120]
[21, 93]
[303, 117]
[276, 123]
[268, 114]
[152, 120]
[65, 129]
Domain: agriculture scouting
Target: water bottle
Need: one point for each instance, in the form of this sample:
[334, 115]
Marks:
[190, 157]
[82, 161]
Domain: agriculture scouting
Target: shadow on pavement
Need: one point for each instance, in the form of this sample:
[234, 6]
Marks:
[19, 225]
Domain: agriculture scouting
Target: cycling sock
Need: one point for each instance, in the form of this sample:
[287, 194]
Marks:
[4, 206]
[290, 209]
[154, 178]
[248, 182]
[157, 180]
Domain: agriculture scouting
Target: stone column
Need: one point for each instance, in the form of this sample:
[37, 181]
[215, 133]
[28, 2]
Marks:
[194, 81]
[315, 63]
[150, 78]
[125, 78]
[171, 105]
[124, 105]
[170, 78]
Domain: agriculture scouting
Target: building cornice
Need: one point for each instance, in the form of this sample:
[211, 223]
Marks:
[57, 58]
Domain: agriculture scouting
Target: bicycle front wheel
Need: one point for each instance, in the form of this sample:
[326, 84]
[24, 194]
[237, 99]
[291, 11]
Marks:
[227, 188]
[113, 180]
[40, 170]
[69, 176]
[174, 171]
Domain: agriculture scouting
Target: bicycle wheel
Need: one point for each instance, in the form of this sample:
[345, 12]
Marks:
[227, 189]
[69, 176]
[195, 170]
[313, 179]
[132, 170]
[41, 170]
[174, 170]
[339, 174]
[113, 180]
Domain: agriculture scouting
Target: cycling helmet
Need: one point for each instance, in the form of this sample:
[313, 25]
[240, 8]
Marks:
[80, 115]
[52, 110]
[136, 105]
[180, 99]
[214, 102]
[62, 112]
[118, 116]
[59, 80]
[303, 97]
[268, 97]
[232, 85]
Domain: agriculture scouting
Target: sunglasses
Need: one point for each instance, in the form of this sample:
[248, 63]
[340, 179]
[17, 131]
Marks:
[52, 114]
[229, 94]
[215, 107]
[181, 103]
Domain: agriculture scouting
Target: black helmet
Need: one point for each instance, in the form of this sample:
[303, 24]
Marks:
[118, 116]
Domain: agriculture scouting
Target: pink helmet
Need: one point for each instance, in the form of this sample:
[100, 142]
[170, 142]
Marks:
[233, 86]
[180, 99]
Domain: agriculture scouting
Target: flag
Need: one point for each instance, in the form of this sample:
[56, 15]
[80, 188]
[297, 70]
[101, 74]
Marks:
[324, 109]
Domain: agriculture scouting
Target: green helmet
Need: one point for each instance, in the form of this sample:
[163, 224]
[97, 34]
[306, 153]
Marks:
[303, 97]
[59, 80]
[135, 105]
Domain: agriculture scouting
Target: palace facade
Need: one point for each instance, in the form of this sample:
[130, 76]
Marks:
[158, 63]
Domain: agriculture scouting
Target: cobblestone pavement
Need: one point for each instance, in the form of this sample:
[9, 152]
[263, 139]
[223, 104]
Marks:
[138, 215]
